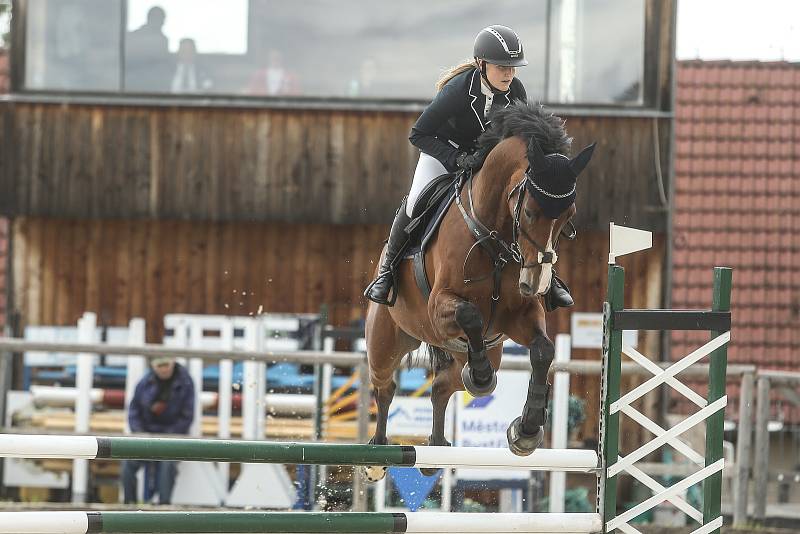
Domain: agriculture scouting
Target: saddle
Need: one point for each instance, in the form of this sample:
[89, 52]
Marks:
[429, 210]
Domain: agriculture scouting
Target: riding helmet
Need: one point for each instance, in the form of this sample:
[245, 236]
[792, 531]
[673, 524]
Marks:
[500, 45]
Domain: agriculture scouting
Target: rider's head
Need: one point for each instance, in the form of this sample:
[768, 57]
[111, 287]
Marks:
[498, 52]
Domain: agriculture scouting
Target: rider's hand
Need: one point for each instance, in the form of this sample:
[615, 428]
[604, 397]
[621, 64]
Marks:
[465, 160]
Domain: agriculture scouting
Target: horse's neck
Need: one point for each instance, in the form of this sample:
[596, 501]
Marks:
[489, 194]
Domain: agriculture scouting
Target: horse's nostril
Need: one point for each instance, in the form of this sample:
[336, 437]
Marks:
[525, 289]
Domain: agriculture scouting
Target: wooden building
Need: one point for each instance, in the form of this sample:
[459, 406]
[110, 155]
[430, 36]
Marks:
[138, 205]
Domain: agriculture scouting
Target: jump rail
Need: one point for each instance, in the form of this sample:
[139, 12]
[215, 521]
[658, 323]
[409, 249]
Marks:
[204, 450]
[289, 522]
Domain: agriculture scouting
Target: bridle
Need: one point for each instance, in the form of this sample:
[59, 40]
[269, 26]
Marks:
[499, 250]
[543, 256]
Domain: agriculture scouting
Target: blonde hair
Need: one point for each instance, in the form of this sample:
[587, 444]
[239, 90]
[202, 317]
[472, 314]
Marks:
[452, 72]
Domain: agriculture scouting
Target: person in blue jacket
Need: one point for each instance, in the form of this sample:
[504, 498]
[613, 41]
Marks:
[163, 403]
[447, 133]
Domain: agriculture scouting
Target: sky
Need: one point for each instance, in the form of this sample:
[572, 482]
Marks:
[767, 30]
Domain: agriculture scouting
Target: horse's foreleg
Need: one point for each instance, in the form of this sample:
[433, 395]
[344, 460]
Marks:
[526, 432]
[451, 315]
[478, 375]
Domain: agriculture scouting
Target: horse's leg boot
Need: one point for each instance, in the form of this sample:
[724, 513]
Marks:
[469, 375]
[385, 283]
[526, 432]
[520, 443]
[479, 378]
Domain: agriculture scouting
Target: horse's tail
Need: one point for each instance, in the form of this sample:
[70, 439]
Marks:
[438, 358]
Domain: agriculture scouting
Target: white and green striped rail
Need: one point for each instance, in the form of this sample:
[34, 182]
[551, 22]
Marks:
[205, 450]
[295, 522]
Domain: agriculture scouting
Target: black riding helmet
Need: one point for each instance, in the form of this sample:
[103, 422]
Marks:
[498, 45]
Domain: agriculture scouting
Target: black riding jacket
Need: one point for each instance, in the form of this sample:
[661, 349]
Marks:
[455, 118]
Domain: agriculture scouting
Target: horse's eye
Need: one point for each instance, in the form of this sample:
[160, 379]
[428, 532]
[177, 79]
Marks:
[528, 213]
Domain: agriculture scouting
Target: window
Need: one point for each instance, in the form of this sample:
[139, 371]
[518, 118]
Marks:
[591, 60]
[185, 46]
[363, 48]
[73, 45]
[579, 51]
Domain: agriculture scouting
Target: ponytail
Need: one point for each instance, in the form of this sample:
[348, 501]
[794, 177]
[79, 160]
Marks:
[455, 71]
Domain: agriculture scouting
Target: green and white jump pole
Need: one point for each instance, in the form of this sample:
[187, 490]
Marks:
[204, 450]
[711, 410]
[294, 522]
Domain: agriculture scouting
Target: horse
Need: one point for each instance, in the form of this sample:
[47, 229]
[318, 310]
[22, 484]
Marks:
[488, 264]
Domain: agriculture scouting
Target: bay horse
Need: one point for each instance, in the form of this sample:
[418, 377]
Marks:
[488, 265]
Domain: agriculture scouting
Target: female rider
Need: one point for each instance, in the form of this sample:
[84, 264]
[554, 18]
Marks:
[447, 132]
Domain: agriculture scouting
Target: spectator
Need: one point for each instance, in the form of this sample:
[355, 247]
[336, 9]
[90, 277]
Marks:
[189, 77]
[274, 78]
[163, 403]
[147, 55]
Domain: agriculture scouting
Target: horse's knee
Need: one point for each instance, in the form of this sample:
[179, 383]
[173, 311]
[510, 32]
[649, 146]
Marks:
[542, 352]
[382, 381]
[468, 316]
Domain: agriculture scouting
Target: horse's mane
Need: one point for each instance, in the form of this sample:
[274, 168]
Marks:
[526, 120]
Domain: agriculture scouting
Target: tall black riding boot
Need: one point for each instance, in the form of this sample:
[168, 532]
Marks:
[378, 291]
[558, 295]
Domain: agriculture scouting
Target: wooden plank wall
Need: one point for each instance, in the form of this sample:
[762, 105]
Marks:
[123, 269]
[218, 164]
[4, 275]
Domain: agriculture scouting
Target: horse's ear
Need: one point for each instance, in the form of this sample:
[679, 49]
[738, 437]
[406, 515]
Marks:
[536, 156]
[580, 161]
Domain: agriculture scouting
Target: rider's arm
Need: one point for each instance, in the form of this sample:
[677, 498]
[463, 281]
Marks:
[447, 103]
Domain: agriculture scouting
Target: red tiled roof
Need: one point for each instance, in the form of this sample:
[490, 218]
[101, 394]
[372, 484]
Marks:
[737, 203]
[5, 75]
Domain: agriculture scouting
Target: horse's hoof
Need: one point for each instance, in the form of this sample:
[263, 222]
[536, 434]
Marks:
[474, 389]
[520, 443]
[429, 471]
[374, 473]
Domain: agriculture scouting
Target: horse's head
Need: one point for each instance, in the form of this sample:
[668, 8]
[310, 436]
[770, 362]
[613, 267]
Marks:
[541, 204]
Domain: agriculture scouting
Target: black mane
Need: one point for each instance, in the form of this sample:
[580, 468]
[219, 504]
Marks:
[526, 119]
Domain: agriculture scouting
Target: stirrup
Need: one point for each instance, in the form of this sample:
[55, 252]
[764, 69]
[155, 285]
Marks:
[391, 297]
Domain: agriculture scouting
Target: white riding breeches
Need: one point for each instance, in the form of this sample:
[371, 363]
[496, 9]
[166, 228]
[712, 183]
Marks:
[428, 168]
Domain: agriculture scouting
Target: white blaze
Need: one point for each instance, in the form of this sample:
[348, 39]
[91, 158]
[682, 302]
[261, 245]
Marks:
[546, 272]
